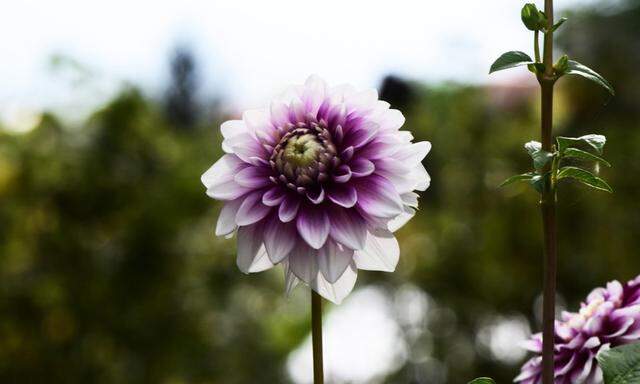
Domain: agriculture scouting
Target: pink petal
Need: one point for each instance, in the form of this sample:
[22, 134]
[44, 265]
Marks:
[222, 171]
[392, 120]
[348, 228]
[247, 147]
[377, 149]
[343, 195]
[289, 208]
[258, 120]
[251, 254]
[342, 174]
[316, 196]
[232, 128]
[253, 177]
[336, 292]
[279, 113]
[361, 167]
[296, 111]
[380, 253]
[413, 153]
[279, 239]
[378, 197]
[333, 260]
[313, 94]
[273, 196]
[313, 225]
[347, 154]
[358, 137]
[252, 210]
[227, 219]
[303, 261]
[219, 179]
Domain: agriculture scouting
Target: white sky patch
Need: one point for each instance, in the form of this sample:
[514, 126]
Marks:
[362, 342]
[249, 50]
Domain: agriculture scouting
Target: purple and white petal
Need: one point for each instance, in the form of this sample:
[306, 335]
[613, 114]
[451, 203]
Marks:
[252, 210]
[303, 262]
[290, 279]
[227, 220]
[313, 226]
[337, 291]
[288, 209]
[343, 195]
[252, 257]
[380, 253]
[253, 177]
[279, 239]
[378, 197]
[348, 228]
[333, 260]
[402, 219]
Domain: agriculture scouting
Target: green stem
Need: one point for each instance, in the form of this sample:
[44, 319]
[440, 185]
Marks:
[316, 337]
[548, 206]
[548, 39]
[536, 45]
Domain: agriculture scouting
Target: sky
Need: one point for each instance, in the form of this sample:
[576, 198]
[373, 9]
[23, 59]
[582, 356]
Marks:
[248, 50]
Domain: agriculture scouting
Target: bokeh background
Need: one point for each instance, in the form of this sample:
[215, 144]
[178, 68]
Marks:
[109, 113]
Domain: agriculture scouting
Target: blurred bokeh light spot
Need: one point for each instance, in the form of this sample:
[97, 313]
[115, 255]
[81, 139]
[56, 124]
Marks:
[362, 342]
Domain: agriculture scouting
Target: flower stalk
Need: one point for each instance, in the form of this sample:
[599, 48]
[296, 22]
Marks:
[547, 159]
[548, 203]
[316, 337]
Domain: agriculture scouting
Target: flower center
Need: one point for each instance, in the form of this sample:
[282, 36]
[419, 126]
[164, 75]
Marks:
[589, 310]
[304, 156]
[585, 313]
[302, 150]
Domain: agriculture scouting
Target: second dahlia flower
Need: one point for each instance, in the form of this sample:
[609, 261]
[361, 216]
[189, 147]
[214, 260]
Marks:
[610, 317]
[318, 182]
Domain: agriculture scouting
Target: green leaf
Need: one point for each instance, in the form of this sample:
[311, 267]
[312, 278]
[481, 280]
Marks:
[509, 60]
[523, 177]
[537, 182]
[584, 155]
[578, 69]
[541, 159]
[584, 177]
[620, 365]
[558, 24]
[482, 380]
[595, 141]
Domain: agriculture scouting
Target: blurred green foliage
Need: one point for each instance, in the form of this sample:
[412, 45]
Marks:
[110, 272]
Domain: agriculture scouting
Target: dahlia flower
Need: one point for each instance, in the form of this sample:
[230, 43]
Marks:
[610, 317]
[318, 182]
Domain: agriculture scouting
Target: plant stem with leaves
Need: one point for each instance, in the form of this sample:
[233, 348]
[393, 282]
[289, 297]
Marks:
[548, 203]
[547, 157]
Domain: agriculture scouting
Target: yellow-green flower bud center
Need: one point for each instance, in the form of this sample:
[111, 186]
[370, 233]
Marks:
[302, 150]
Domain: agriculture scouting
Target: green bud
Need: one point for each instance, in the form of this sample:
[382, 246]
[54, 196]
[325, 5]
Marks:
[532, 18]
[529, 16]
[536, 68]
[562, 65]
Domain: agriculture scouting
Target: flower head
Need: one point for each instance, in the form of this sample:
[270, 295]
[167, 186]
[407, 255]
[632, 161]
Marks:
[610, 317]
[318, 182]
